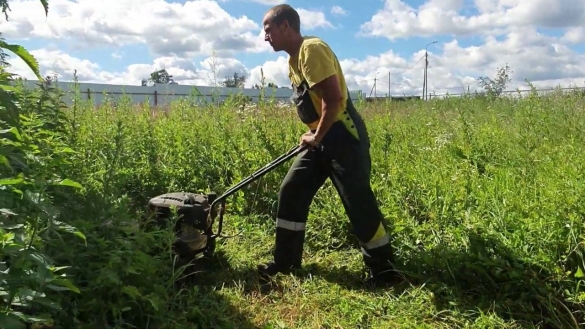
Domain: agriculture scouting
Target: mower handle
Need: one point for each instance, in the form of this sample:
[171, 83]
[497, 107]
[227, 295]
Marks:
[296, 150]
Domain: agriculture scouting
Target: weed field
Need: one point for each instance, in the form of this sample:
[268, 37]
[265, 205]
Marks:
[484, 198]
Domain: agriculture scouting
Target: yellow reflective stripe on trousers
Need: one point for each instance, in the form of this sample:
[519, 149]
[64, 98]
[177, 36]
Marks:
[289, 225]
[379, 233]
[377, 243]
[379, 239]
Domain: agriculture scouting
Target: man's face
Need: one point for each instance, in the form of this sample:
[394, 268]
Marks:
[274, 34]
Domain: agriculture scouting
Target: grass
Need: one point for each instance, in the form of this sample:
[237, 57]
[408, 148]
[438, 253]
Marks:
[484, 197]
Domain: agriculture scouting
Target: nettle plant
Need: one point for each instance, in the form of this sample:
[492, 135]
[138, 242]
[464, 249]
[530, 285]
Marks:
[30, 156]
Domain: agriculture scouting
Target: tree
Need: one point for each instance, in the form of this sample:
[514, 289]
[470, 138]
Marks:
[161, 77]
[497, 86]
[236, 81]
[269, 85]
[5, 8]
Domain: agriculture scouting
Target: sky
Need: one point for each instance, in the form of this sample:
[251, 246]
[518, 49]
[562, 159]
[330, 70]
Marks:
[379, 43]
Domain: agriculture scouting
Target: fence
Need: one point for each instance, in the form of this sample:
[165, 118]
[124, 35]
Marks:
[514, 93]
[162, 94]
[505, 93]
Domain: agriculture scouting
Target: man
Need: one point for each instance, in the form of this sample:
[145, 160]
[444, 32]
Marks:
[338, 149]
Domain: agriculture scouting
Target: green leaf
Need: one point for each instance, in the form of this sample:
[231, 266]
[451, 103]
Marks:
[69, 182]
[36, 257]
[4, 161]
[36, 319]
[59, 268]
[45, 5]
[21, 52]
[65, 283]
[57, 288]
[70, 229]
[13, 131]
[7, 212]
[579, 274]
[131, 291]
[65, 150]
[11, 181]
[7, 87]
[12, 226]
[48, 303]
[9, 321]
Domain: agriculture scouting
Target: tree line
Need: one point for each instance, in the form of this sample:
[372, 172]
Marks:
[236, 81]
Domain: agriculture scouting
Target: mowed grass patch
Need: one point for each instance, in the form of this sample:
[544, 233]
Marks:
[484, 198]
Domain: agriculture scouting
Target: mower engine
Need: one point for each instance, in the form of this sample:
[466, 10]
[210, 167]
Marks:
[193, 226]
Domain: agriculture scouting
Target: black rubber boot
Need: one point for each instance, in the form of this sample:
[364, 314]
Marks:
[288, 254]
[380, 265]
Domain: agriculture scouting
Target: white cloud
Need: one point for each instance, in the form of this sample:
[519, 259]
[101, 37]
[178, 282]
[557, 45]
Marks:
[117, 54]
[541, 59]
[338, 11]
[544, 60]
[399, 20]
[268, 2]
[274, 71]
[189, 29]
[312, 19]
[184, 71]
[574, 35]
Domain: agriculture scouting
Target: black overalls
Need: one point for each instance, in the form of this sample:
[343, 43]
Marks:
[346, 161]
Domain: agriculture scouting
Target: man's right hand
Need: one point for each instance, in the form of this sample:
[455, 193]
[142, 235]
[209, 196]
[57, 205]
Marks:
[308, 138]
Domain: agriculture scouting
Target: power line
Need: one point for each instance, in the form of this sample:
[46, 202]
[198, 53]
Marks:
[374, 89]
[410, 68]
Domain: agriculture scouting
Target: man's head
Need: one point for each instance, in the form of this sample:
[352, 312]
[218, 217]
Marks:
[282, 27]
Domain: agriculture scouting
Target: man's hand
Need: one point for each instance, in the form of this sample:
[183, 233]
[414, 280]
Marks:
[308, 138]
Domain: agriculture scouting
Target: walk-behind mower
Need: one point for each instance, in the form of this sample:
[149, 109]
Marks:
[196, 212]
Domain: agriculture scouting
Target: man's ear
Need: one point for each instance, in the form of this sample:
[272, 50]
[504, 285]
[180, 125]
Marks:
[284, 25]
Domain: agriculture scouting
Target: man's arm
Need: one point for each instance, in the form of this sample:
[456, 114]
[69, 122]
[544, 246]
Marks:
[318, 68]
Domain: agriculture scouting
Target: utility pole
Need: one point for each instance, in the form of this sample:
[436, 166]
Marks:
[389, 84]
[426, 82]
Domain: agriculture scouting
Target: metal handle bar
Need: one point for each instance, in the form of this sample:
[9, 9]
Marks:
[251, 178]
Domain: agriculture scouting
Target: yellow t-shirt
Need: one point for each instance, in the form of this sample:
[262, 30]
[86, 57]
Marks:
[315, 62]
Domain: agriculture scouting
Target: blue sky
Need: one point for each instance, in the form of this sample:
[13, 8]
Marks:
[77, 34]
[344, 38]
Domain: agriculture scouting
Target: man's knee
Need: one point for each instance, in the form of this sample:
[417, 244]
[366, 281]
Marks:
[289, 188]
[301, 180]
[296, 194]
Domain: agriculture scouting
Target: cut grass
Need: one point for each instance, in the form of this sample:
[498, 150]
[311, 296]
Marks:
[328, 293]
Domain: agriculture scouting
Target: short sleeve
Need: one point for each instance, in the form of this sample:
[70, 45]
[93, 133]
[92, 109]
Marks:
[316, 63]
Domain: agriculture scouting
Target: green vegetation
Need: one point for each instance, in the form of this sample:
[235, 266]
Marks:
[484, 195]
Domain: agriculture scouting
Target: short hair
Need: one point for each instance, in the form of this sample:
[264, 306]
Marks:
[284, 12]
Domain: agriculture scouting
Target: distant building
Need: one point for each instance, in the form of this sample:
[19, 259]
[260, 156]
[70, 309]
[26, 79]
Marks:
[161, 94]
